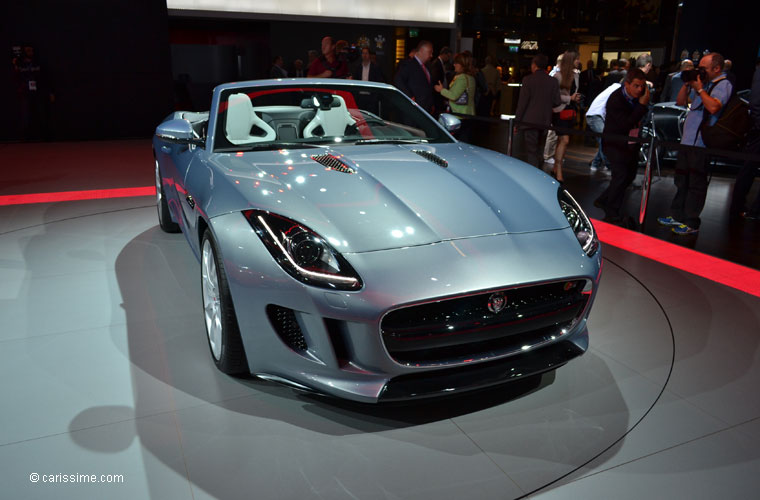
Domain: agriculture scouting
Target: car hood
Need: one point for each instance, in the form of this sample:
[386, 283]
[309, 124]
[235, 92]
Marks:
[396, 197]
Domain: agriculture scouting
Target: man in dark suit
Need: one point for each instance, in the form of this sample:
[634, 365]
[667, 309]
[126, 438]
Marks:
[278, 68]
[625, 109]
[538, 95]
[615, 75]
[587, 76]
[366, 70]
[438, 73]
[414, 79]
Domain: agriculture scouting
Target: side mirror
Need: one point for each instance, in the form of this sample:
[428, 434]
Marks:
[450, 122]
[177, 131]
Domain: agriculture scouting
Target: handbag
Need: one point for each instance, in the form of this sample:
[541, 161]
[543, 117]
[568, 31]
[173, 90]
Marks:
[464, 97]
[567, 114]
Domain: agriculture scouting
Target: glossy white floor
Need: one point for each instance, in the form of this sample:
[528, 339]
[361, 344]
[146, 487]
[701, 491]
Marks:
[104, 369]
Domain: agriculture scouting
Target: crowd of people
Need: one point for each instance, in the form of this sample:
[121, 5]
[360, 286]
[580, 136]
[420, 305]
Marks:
[617, 104]
[439, 80]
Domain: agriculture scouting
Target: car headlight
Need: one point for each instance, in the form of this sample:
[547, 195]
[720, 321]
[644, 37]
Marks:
[302, 253]
[579, 222]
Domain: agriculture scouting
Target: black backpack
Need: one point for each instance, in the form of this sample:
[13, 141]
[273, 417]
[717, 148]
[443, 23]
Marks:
[730, 131]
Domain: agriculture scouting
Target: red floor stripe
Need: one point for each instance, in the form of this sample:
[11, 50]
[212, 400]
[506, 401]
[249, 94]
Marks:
[712, 268]
[721, 271]
[97, 194]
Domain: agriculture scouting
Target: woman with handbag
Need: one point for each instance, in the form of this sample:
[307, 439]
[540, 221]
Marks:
[566, 113]
[461, 91]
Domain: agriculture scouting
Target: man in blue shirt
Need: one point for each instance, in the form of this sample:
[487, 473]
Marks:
[712, 94]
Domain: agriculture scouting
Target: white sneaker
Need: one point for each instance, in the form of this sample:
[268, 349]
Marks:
[550, 161]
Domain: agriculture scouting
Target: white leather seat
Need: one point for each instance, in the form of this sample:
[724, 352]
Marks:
[241, 118]
[333, 120]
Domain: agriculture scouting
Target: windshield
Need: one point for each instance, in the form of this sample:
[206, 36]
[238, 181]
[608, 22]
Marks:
[293, 116]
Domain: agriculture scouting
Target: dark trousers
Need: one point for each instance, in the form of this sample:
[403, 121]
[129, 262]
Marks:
[623, 167]
[745, 178]
[533, 146]
[691, 187]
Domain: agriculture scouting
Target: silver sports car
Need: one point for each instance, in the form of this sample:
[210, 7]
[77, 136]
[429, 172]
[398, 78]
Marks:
[350, 245]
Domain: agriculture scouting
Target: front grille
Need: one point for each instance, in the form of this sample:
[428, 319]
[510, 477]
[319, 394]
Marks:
[333, 163]
[430, 156]
[285, 324]
[465, 328]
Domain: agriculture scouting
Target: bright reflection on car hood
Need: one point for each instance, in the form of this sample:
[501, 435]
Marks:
[396, 198]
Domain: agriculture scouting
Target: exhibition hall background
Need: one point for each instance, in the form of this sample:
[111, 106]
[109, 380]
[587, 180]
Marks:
[113, 65]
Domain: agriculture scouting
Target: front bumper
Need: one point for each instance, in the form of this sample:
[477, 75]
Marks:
[345, 354]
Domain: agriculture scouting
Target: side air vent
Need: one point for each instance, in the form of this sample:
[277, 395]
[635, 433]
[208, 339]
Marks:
[287, 328]
[334, 163]
[431, 157]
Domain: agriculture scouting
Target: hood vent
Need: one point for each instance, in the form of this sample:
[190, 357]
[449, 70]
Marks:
[334, 162]
[430, 156]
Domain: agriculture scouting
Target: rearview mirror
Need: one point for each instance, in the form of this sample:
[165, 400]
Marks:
[177, 131]
[450, 122]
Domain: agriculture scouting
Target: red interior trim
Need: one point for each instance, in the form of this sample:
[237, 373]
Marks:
[712, 268]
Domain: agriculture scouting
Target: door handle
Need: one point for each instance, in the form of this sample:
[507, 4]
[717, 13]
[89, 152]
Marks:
[166, 149]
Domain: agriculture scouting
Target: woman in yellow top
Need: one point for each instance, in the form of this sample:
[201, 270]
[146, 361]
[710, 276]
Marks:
[463, 82]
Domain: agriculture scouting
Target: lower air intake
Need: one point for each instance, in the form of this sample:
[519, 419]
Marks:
[285, 324]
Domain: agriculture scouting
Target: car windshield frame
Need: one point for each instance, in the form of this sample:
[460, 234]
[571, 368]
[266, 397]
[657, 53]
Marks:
[273, 117]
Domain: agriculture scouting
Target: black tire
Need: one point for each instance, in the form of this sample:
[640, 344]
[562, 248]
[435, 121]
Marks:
[225, 344]
[164, 217]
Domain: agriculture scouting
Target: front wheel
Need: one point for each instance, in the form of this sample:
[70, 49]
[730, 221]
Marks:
[164, 217]
[222, 328]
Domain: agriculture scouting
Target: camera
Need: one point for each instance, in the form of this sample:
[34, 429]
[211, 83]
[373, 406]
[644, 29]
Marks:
[689, 75]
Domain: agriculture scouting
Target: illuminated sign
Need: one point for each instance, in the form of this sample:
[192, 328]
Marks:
[529, 45]
[512, 41]
[428, 11]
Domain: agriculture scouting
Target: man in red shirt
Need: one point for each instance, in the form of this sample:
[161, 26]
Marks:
[328, 65]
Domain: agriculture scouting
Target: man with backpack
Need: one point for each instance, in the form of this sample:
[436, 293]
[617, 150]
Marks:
[713, 91]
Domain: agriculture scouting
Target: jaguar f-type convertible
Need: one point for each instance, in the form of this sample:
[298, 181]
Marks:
[350, 245]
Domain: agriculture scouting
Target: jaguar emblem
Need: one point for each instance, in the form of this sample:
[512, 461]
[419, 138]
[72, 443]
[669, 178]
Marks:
[497, 302]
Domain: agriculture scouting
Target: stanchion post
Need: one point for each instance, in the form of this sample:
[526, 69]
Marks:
[510, 132]
[647, 182]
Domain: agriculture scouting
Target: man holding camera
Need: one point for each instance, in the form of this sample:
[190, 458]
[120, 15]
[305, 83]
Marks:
[713, 91]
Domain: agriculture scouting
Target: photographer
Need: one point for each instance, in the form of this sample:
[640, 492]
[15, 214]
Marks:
[713, 92]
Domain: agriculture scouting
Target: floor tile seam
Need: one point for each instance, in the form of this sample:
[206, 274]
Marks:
[658, 383]
[669, 448]
[705, 410]
[133, 419]
[488, 455]
[85, 330]
[670, 390]
[123, 209]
